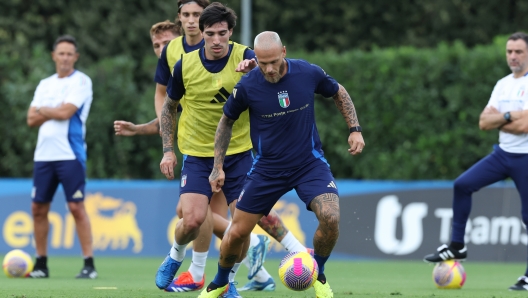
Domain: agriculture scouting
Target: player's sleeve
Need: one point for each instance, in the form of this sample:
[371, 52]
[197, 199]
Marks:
[237, 102]
[494, 99]
[324, 84]
[175, 87]
[249, 54]
[37, 99]
[81, 91]
[163, 73]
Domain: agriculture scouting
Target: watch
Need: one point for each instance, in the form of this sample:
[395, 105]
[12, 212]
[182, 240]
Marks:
[507, 116]
[355, 129]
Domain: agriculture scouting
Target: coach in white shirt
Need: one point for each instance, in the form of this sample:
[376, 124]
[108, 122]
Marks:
[60, 108]
[506, 111]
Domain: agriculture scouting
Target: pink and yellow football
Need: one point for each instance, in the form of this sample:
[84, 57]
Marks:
[298, 271]
[449, 275]
[17, 263]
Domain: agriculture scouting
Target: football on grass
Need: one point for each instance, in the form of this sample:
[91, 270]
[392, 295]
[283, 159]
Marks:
[17, 263]
[298, 271]
[449, 275]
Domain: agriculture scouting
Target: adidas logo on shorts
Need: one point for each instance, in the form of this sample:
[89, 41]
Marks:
[78, 195]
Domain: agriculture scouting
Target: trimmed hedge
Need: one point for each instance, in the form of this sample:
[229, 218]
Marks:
[419, 109]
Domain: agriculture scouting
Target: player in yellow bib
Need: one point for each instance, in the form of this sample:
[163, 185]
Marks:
[202, 81]
[193, 279]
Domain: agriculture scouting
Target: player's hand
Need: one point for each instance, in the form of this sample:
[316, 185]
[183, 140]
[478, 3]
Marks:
[355, 140]
[167, 164]
[217, 179]
[246, 65]
[124, 128]
[491, 110]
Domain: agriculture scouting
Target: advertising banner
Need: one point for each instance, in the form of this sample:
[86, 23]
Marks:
[127, 218]
[379, 220]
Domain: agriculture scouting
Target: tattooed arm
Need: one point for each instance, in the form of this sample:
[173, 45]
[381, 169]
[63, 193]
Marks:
[168, 123]
[222, 139]
[346, 107]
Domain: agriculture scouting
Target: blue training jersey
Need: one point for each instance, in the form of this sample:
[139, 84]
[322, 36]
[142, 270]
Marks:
[282, 115]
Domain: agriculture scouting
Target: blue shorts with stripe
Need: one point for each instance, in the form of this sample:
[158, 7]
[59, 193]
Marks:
[48, 174]
[196, 170]
[264, 188]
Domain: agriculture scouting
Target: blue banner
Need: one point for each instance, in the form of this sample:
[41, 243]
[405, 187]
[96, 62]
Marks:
[379, 219]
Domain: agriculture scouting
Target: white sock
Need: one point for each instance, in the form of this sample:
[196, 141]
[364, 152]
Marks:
[291, 243]
[233, 272]
[262, 275]
[253, 240]
[177, 251]
[197, 267]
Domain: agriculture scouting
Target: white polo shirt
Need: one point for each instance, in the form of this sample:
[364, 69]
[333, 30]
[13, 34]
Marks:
[511, 94]
[63, 139]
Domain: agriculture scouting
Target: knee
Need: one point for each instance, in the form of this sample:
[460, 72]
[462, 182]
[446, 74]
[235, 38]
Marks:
[332, 223]
[191, 223]
[39, 211]
[463, 184]
[77, 210]
[237, 232]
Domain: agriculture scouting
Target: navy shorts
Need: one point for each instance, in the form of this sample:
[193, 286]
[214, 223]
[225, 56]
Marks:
[264, 188]
[48, 174]
[196, 170]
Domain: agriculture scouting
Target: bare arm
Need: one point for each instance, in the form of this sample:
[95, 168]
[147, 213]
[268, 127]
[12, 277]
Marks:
[491, 118]
[35, 119]
[63, 112]
[159, 98]
[125, 128]
[519, 123]
[346, 107]
[168, 124]
[222, 139]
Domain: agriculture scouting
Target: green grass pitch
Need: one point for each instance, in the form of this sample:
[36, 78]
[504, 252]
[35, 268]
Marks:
[134, 277]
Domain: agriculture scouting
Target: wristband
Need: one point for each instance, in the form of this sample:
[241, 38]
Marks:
[355, 129]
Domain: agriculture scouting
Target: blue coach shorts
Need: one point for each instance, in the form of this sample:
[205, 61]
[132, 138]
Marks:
[196, 170]
[264, 188]
[48, 174]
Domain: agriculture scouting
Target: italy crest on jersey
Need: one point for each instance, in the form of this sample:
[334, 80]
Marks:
[284, 99]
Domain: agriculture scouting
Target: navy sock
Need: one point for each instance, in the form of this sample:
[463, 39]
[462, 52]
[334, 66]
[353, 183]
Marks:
[320, 262]
[222, 276]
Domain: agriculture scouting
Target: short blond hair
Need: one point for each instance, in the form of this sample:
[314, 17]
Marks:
[165, 26]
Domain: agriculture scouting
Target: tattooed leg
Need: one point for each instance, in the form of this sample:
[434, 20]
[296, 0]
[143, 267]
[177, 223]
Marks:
[273, 225]
[326, 208]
